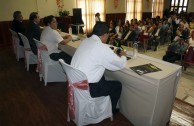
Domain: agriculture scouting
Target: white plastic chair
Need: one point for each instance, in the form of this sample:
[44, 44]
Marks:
[48, 69]
[84, 109]
[30, 57]
[17, 48]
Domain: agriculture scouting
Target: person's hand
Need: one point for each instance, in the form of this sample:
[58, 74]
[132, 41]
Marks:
[120, 52]
[67, 36]
[66, 39]
[116, 50]
[123, 53]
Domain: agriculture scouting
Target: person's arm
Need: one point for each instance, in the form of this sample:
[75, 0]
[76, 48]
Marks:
[62, 40]
[66, 39]
[111, 61]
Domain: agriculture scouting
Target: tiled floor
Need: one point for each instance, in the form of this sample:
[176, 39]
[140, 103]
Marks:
[186, 86]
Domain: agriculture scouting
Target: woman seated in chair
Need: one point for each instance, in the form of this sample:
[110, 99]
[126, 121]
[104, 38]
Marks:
[51, 38]
[175, 51]
[112, 33]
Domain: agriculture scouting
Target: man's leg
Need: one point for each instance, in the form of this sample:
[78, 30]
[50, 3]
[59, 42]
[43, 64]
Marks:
[61, 55]
[105, 88]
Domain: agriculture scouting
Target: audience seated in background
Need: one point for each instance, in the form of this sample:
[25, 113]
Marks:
[126, 26]
[137, 32]
[119, 29]
[17, 24]
[182, 33]
[51, 38]
[33, 31]
[128, 36]
[142, 27]
[184, 23]
[175, 50]
[112, 33]
[157, 36]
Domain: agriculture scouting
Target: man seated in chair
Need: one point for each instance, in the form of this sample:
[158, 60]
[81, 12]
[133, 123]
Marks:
[156, 37]
[92, 57]
[33, 31]
[175, 51]
[128, 36]
[18, 25]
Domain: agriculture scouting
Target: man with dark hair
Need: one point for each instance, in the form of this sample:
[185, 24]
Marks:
[51, 38]
[92, 57]
[33, 31]
[175, 50]
[157, 36]
[17, 24]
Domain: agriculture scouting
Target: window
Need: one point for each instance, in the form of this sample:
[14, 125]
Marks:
[133, 9]
[157, 8]
[178, 5]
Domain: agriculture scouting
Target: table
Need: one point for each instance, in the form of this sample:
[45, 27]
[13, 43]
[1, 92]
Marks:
[77, 26]
[146, 100]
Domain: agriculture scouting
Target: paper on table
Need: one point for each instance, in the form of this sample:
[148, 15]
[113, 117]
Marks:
[146, 68]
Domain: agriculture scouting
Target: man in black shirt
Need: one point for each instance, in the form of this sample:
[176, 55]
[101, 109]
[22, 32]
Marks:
[17, 24]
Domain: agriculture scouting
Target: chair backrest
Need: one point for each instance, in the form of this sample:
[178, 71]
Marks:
[73, 75]
[44, 52]
[25, 41]
[189, 56]
[14, 34]
[38, 43]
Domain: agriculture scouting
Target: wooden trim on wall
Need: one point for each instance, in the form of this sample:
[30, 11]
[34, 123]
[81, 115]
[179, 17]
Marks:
[115, 17]
[5, 35]
[146, 14]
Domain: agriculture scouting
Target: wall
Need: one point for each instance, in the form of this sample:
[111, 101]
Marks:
[147, 6]
[43, 7]
[111, 9]
[166, 4]
[47, 7]
[7, 7]
[190, 6]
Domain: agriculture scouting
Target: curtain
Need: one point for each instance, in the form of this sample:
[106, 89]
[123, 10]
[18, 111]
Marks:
[133, 9]
[158, 6]
[89, 8]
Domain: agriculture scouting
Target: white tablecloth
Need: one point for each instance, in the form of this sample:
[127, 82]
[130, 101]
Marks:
[146, 100]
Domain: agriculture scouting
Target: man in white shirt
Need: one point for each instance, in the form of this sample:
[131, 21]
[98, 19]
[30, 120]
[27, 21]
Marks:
[92, 57]
[51, 38]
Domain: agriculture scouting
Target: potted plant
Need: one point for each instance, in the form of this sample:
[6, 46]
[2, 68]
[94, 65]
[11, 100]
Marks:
[63, 13]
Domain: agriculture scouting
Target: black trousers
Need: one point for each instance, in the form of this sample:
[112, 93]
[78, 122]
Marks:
[61, 55]
[153, 42]
[171, 57]
[105, 88]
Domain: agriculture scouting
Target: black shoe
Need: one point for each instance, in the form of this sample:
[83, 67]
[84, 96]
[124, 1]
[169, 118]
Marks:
[149, 48]
[115, 111]
[155, 49]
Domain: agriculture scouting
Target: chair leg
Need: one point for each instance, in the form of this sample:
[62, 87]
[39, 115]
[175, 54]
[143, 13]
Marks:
[27, 63]
[145, 43]
[17, 54]
[68, 118]
[40, 76]
[45, 74]
[111, 118]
